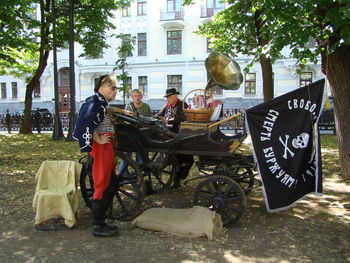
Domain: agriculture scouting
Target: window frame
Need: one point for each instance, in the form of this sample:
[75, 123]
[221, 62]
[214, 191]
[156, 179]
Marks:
[175, 84]
[217, 90]
[175, 6]
[217, 4]
[143, 86]
[14, 87]
[126, 11]
[305, 81]
[141, 7]
[249, 84]
[3, 90]
[128, 83]
[208, 48]
[141, 43]
[169, 41]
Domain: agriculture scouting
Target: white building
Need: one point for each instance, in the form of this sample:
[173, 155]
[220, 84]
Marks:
[167, 54]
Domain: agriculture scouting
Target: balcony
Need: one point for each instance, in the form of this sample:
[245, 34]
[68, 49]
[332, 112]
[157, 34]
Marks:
[168, 16]
[172, 19]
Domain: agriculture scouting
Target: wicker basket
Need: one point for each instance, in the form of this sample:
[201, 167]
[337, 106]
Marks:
[199, 115]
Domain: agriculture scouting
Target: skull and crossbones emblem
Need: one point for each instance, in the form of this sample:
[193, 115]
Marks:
[299, 142]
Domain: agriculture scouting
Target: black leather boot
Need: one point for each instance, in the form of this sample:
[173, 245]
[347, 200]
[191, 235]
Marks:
[104, 230]
[99, 226]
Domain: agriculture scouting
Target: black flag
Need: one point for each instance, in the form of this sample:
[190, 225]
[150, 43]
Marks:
[286, 145]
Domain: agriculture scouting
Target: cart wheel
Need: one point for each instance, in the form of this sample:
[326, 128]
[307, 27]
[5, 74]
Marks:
[129, 196]
[244, 177]
[222, 195]
[86, 182]
[159, 180]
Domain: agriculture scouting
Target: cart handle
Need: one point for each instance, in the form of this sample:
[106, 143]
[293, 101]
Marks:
[224, 120]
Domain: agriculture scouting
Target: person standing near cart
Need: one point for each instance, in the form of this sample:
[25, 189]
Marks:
[172, 115]
[95, 133]
[139, 108]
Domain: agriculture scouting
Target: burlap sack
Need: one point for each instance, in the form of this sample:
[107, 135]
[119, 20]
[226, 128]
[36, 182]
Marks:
[197, 221]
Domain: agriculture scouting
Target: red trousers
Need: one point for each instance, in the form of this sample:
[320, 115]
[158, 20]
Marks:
[104, 164]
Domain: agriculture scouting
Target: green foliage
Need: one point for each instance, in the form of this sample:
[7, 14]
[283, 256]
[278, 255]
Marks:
[124, 51]
[281, 23]
[16, 33]
[23, 63]
[243, 29]
[326, 21]
[22, 31]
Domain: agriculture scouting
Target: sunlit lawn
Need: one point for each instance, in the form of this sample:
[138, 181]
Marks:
[22, 154]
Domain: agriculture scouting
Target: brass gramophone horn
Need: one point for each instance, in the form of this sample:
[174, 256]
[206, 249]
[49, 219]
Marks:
[223, 71]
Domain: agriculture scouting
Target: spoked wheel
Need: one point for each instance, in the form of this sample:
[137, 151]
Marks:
[222, 195]
[158, 178]
[245, 177]
[130, 194]
[86, 182]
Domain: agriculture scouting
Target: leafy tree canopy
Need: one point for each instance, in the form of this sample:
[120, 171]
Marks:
[21, 21]
[284, 22]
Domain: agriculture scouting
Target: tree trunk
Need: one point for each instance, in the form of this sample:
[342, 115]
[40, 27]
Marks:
[337, 69]
[26, 125]
[266, 68]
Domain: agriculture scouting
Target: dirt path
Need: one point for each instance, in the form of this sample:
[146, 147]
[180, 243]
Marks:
[316, 230]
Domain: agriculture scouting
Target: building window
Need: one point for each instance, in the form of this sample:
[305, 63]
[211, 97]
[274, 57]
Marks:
[126, 39]
[311, 43]
[143, 84]
[63, 79]
[141, 7]
[126, 11]
[175, 81]
[174, 6]
[305, 79]
[65, 45]
[142, 44]
[37, 91]
[14, 90]
[217, 90]
[208, 45]
[63, 90]
[3, 90]
[174, 42]
[212, 7]
[214, 4]
[128, 84]
[97, 56]
[250, 83]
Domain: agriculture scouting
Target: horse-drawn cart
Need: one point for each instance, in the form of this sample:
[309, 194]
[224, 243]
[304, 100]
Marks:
[225, 174]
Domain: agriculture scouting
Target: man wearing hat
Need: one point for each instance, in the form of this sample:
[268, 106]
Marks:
[171, 114]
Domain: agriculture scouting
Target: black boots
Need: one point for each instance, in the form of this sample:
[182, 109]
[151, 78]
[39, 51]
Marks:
[104, 230]
[99, 227]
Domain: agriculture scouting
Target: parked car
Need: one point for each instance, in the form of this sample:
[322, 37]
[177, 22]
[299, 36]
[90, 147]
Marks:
[42, 111]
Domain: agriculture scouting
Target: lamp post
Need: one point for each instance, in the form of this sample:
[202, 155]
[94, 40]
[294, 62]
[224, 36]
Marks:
[71, 72]
[57, 132]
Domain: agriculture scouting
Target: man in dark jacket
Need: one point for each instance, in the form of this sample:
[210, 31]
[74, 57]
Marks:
[172, 115]
[95, 133]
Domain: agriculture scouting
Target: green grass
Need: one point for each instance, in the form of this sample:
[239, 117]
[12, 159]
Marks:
[330, 155]
[23, 154]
